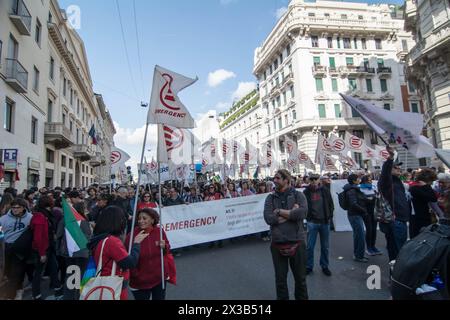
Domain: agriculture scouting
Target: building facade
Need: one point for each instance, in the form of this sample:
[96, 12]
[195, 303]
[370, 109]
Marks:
[318, 50]
[48, 105]
[429, 63]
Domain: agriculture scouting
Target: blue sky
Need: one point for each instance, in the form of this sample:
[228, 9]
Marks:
[192, 37]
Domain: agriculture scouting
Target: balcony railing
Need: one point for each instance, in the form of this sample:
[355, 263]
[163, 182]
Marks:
[21, 17]
[58, 135]
[16, 75]
[384, 71]
[82, 152]
[319, 70]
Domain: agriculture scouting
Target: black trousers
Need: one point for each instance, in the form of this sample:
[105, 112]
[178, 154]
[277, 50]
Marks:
[156, 293]
[371, 226]
[298, 267]
[15, 269]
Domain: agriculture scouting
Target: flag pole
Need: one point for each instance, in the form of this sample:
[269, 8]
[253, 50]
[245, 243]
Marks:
[160, 227]
[136, 197]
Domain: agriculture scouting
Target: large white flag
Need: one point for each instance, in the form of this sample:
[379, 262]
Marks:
[404, 128]
[118, 159]
[227, 151]
[174, 144]
[338, 146]
[354, 143]
[165, 106]
[304, 159]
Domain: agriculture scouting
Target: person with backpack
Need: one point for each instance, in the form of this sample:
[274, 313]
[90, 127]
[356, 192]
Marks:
[284, 211]
[320, 213]
[355, 202]
[370, 221]
[15, 226]
[393, 192]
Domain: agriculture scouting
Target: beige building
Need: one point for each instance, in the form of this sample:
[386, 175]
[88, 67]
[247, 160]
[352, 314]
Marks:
[320, 49]
[429, 63]
[48, 105]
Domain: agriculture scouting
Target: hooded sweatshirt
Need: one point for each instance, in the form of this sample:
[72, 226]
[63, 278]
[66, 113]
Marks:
[13, 226]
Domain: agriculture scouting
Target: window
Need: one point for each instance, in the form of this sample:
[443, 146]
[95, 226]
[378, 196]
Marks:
[327, 15]
[8, 124]
[414, 107]
[281, 58]
[380, 63]
[322, 111]
[360, 17]
[292, 91]
[70, 163]
[284, 98]
[78, 106]
[343, 16]
[347, 43]
[378, 44]
[387, 106]
[334, 85]
[268, 129]
[49, 178]
[338, 39]
[294, 115]
[71, 126]
[373, 138]
[315, 41]
[38, 32]
[358, 159]
[288, 50]
[63, 161]
[1, 49]
[364, 43]
[355, 44]
[49, 111]
[316, 61]
[411, 87]
[332, 63]
[423, 162]
[275, 65]
[52, 68]
[50, 156]
[349, 61]
[383, 84]
[63, 179]
[319, 85]
[278, 101]
[36, 80]
[359, 134]
[352, 84]
[64, 118]
[34, 129]
[50, 17]
[369, 85]
[404, 45]
[366, 63]
[330, 42]
[286, 120]
[311, 14]
[65, 87]
[71, 96]
[280, 123]
[338, 111]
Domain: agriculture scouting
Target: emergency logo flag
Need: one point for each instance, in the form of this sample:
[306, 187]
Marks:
[75, 238]
[171, 142]
[165, 105]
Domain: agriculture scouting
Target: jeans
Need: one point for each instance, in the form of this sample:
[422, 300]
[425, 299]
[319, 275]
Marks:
[156, 293]
[324, 232]
[371, 227]
[298, 268]
[39, 267]
[396, 234]
[357, 224]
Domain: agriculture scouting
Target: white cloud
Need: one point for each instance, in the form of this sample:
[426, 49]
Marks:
[222, 106]
[217, 77]
[244, 88]
[280, 12]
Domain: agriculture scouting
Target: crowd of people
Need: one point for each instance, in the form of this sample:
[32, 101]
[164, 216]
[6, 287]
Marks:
[297, 209]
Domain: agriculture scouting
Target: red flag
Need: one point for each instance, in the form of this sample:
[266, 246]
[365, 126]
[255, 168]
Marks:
[17, 175]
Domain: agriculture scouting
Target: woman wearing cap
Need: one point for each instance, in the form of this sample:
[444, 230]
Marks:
[145, 279]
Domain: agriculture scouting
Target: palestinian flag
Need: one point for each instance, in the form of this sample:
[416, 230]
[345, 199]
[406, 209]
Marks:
[75, 238]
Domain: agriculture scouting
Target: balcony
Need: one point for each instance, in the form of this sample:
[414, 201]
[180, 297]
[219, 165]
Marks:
[96, 160]
[82, 152]
[348, 71]
[333, 71]
[16, 76]
[319, 71]
[275, 90]
[289, 78]
[58, 135]
[384, 72]
[103, 160]
[21, 17]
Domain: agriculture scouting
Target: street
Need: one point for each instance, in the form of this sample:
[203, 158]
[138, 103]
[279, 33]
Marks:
[243, 270]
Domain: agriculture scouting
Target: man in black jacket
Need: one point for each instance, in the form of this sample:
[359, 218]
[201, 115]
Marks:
[393, 190]
[320, 213]
[284, 211]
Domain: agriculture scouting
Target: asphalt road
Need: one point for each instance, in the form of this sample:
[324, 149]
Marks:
[243, 270]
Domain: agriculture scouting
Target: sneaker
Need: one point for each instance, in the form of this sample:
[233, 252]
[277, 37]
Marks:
[19, 295]
[59, 293]
[370, 252]
[377, 252]
[265, 239]
[326, 272]
[39, 297]
[308, 271]
[363, 260]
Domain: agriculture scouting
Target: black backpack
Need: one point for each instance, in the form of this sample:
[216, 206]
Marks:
[417, 259]
[342, 197]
